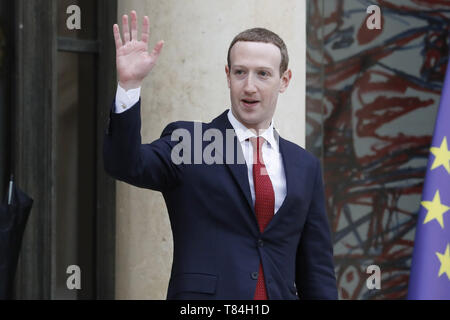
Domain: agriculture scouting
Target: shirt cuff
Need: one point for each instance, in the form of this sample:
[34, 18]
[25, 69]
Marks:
[126, 99]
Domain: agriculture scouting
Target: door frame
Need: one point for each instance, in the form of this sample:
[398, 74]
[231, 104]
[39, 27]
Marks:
[33, 143]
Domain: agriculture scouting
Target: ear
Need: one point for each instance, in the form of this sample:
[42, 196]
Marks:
[227, 71]
[285, 80]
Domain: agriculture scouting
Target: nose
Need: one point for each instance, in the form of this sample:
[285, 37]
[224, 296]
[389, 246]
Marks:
[249, 86]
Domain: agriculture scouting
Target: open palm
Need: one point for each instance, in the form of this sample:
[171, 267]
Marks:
[132, 58]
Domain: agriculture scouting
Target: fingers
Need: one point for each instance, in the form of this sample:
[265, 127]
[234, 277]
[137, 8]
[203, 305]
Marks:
[134, 32]
[126, 30]
[117, 38]
[145, 30]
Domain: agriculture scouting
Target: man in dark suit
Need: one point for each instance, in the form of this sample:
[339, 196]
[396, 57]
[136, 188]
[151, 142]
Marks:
[246, 206]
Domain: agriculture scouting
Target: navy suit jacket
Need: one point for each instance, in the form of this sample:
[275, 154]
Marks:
[217, 242]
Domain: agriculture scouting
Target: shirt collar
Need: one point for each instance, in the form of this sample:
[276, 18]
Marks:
[243, 133]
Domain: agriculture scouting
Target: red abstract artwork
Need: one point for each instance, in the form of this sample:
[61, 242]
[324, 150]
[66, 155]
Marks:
[372, 100]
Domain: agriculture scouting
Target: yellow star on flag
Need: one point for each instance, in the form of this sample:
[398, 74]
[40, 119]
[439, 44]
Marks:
[435, 209]
[442, 156]
[445, 262]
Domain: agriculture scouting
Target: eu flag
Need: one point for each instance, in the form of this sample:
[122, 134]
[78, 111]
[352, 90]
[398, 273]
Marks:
[430, 267]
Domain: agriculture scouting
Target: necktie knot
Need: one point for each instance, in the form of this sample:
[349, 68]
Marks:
[257, 143]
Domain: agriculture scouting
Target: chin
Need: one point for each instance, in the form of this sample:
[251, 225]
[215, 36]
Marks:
[249, 118]
[252, 121]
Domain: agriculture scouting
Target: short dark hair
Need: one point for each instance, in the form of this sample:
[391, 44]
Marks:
[262, 35]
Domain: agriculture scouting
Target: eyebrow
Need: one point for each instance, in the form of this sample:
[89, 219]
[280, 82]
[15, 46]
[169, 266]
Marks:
[244, 67]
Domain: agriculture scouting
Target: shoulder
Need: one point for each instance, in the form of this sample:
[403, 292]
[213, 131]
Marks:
[219, 123]
[299, 153]
[181, 125]
[194, 127]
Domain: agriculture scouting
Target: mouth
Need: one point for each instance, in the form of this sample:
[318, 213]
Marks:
[249, 103]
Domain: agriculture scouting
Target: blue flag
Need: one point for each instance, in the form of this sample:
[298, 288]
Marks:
[430, 267]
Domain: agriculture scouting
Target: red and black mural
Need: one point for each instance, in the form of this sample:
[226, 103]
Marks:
[372, 99]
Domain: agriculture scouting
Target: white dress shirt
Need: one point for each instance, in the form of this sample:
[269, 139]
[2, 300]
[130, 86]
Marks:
[270, 149]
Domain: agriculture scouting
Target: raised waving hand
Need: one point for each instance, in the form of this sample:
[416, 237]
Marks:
[133, 61]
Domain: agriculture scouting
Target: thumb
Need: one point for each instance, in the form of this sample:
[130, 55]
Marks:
[156, 50]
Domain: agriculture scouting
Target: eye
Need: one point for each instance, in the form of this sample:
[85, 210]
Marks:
[238, 72]
[264, 73]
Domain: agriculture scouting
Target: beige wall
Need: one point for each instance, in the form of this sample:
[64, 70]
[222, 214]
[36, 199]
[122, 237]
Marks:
[189, 83]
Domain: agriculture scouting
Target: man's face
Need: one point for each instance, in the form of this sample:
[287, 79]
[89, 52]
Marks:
[254, 81]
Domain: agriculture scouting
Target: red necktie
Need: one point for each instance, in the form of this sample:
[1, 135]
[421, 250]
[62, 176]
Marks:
[264, 204]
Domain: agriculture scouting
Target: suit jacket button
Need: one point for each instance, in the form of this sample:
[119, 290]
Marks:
[255, 275]
[260, 243]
